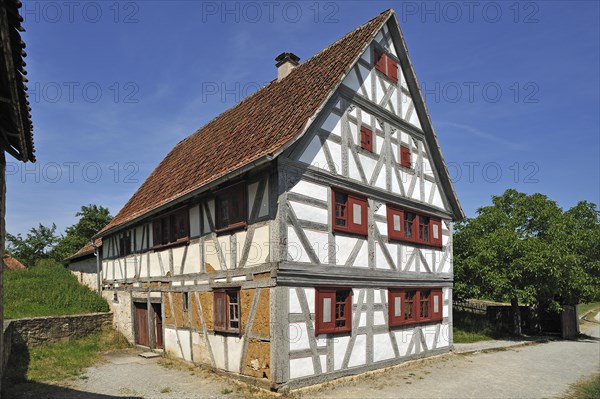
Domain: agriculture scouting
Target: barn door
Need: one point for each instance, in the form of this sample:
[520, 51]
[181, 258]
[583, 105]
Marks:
[141, 324]
[158, 325]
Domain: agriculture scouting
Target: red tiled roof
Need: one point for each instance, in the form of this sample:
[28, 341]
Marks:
[261, 125]
[87, 249]
[11, 263]
[14, 107]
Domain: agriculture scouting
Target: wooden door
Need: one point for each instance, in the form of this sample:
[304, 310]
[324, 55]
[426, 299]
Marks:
[141, 324]
[158, 325]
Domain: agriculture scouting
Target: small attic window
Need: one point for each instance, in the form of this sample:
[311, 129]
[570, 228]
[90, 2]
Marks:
[386, 64]
[405, 156]
[366, 138]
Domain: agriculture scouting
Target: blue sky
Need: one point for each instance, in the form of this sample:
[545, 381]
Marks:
[512, 89]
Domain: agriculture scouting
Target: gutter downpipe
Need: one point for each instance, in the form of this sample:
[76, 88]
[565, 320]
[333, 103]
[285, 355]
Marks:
[97, 255]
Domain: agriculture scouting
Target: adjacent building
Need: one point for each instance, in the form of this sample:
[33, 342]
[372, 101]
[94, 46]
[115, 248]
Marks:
[16, 131]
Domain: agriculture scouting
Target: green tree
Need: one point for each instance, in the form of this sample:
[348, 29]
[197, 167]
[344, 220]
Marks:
[92, 218]
[35, 246]
[524, 249]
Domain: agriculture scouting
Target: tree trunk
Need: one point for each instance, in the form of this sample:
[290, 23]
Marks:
[516, 315]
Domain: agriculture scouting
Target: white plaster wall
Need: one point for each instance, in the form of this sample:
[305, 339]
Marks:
[234, 351]
[85, 272]
[309, 189]
[260, 247]
[177, 343]
[121, 310]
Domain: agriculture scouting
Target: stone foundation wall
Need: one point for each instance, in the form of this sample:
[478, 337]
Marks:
[44, 330]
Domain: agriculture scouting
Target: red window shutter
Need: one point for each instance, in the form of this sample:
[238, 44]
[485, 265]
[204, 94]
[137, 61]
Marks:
[366, 138]
[437, 304]
[220, 310]
[392, 69]
[324, 311]
[405, 156]
[436, 232]
[358, 222]
[395, 309]
[395, 221]
[380, 61]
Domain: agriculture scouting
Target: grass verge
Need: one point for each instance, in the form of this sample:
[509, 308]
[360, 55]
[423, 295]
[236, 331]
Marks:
[47, 290]
[586, 389]
[55, 362]
[589, 309]
[469, 327]
[583, 308]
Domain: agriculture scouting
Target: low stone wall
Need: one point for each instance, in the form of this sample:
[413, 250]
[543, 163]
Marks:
[44, 330]
[21, 334]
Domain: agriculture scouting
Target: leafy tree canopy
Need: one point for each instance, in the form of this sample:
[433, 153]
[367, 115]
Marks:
[35, 246]
[524, 248]
[92, 218]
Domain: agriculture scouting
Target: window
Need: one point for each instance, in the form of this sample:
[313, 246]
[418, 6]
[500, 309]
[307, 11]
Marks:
[366, 138]
[412, 227]
[185, 303]
[412, 305]
[226, 305]
[423, 228]
[333, 310]
[385, 64]
[231, 207]
[405, 157]
[172, 228]
[125, 244]
[349, 213]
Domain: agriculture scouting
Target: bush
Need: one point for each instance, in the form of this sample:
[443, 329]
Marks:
[47, 290]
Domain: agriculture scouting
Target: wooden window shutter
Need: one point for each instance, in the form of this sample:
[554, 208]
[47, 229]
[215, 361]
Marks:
[395, 309]
[437, 304]
[325, 311]
[380, 61]
[392, 70]
[220, 310]
[405, 156]
[358, 222]
[395, 222]
[366, 138]
[436, 232]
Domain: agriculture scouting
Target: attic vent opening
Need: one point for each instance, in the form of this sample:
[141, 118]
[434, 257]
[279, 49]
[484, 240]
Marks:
[285, 63]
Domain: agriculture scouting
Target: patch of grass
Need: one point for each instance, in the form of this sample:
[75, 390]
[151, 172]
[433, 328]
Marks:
[469, 327]
[586, 389]
[226, 391]
[47, 290]
[467, 337]
[55, 362]
[166, 390]
[585, 308]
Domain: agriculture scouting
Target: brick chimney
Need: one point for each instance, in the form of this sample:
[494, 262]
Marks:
[285, 63]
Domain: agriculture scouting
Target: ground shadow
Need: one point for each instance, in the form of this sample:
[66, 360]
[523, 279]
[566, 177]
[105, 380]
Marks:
[16, 386]
[34, 390]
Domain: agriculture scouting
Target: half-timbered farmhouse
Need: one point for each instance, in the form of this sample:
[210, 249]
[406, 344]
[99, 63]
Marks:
[302, 235]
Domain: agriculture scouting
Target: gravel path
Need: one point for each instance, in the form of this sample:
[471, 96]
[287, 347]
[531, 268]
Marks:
[535, 371]
[542, 370]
